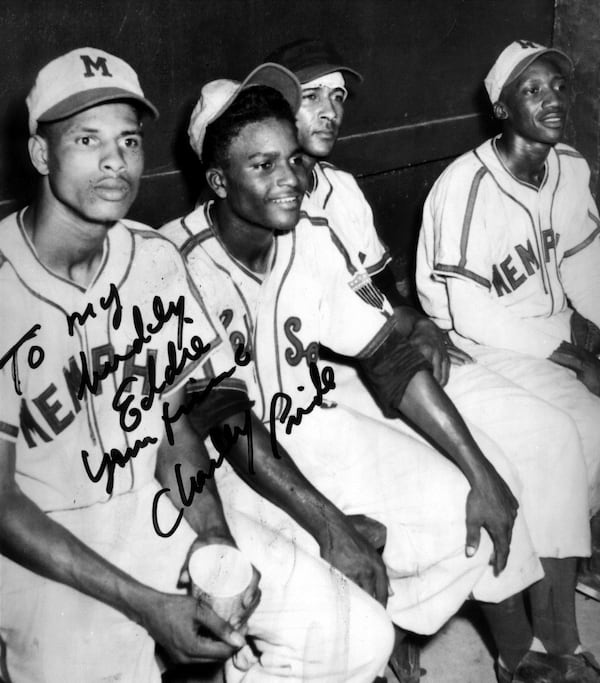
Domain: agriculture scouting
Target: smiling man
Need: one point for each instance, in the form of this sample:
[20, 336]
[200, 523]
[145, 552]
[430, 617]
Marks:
[509, 251]
[275, 276]
[101, 331]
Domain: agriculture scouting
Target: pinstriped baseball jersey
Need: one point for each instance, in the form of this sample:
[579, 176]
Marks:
[529, 247]
[280, 318]
[336, 194]
[49, 408]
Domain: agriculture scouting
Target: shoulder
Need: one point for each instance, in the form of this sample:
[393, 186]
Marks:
[188, 231]
[572, 162]
[461, 174]
[339, 179]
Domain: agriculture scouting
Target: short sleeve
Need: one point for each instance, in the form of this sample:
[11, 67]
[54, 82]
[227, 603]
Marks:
[349, 325]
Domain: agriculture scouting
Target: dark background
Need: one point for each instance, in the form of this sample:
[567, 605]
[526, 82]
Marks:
[422, 102]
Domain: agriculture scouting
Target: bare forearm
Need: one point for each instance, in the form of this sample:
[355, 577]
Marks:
[31, 538]
[279, 480]
[427, 406]
[187, 464]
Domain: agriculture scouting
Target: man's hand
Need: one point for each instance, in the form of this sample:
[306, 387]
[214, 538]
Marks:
[345, 549]
[436, 346]
[252, 594]
[584, 334]
[491, 505]
[190, 631]
[583, 363]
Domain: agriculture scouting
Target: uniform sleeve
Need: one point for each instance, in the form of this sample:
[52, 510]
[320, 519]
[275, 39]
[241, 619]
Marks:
[454, 214]
[479, 317]
[348, 324]
[376, 255]
[580, 265]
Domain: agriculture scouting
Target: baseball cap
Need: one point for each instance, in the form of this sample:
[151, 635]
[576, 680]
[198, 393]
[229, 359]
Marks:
[311, 58]
[514, 59]
[80, 79]
[217, 96]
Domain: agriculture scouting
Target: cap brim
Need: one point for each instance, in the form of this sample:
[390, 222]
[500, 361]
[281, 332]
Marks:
[277, 77]
[91, 98]
[309, 73]
[523, 64]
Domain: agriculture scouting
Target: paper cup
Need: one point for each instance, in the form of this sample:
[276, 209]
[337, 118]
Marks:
[219, 576]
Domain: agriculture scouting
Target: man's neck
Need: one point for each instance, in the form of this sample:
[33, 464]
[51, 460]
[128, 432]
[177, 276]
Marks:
[249, 244]
[525, 159]
[309, 164]
[66, 244]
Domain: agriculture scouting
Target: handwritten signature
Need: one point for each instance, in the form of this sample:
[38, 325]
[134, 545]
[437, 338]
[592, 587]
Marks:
[224, 438]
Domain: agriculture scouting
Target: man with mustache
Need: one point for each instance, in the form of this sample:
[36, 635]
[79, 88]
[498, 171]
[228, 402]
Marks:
[101, 331]
[485, 399]
[509, 254]
[276, 277]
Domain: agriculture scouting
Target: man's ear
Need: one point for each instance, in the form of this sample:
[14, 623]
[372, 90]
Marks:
[215, 177]
[500, 111]
[38, 153]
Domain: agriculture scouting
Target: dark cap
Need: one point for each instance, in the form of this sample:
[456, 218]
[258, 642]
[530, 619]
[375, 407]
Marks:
[310, 58]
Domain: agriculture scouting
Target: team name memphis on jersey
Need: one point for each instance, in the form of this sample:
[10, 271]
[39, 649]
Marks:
[482, 224]
[90, 369]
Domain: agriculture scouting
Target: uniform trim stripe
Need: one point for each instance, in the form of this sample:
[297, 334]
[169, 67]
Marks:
[568, 153]
[457, 270]
[380, 265]
[587, 241]
[464, 238]
[318, 220]
[381, 335]
[184, 225]
[195, 241]
[9, 430]
[276, 309]
[527, 211]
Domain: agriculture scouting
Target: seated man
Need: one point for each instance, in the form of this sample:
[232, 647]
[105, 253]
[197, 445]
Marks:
[509, 252]
[545, 450]
[105, 329]
[281, 287]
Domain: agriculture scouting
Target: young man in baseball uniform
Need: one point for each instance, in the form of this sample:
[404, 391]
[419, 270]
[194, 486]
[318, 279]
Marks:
[509, 253]
[484, 398]
[282, 288]
[105, 487]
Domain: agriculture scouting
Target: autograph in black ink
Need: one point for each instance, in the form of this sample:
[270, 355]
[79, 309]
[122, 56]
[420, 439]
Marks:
[322, 383]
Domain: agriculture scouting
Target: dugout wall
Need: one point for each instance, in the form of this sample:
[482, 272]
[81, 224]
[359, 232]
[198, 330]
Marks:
[422, 102]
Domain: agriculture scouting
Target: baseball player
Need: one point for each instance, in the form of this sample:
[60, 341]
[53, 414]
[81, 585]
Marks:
[485, 399]
[509, 250]
[282, 289]
[105, 485]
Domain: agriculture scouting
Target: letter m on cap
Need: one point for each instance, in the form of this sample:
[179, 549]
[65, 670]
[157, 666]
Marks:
[91, 66]
[526, 44]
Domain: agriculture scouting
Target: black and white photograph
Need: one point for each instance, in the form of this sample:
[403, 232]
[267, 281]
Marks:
[300, 341]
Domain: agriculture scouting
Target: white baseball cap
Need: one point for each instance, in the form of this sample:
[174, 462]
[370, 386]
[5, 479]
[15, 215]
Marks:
[514, 59]
[81, 79]
[217, 96]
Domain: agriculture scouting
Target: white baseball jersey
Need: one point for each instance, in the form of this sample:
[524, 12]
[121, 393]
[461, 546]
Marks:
[336, 194]
[523, 249]
[327, 311]
[491, 405]
[497, 259]
[124, 326]
[308, 297]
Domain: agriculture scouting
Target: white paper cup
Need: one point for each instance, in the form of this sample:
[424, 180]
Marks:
[219, 575]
